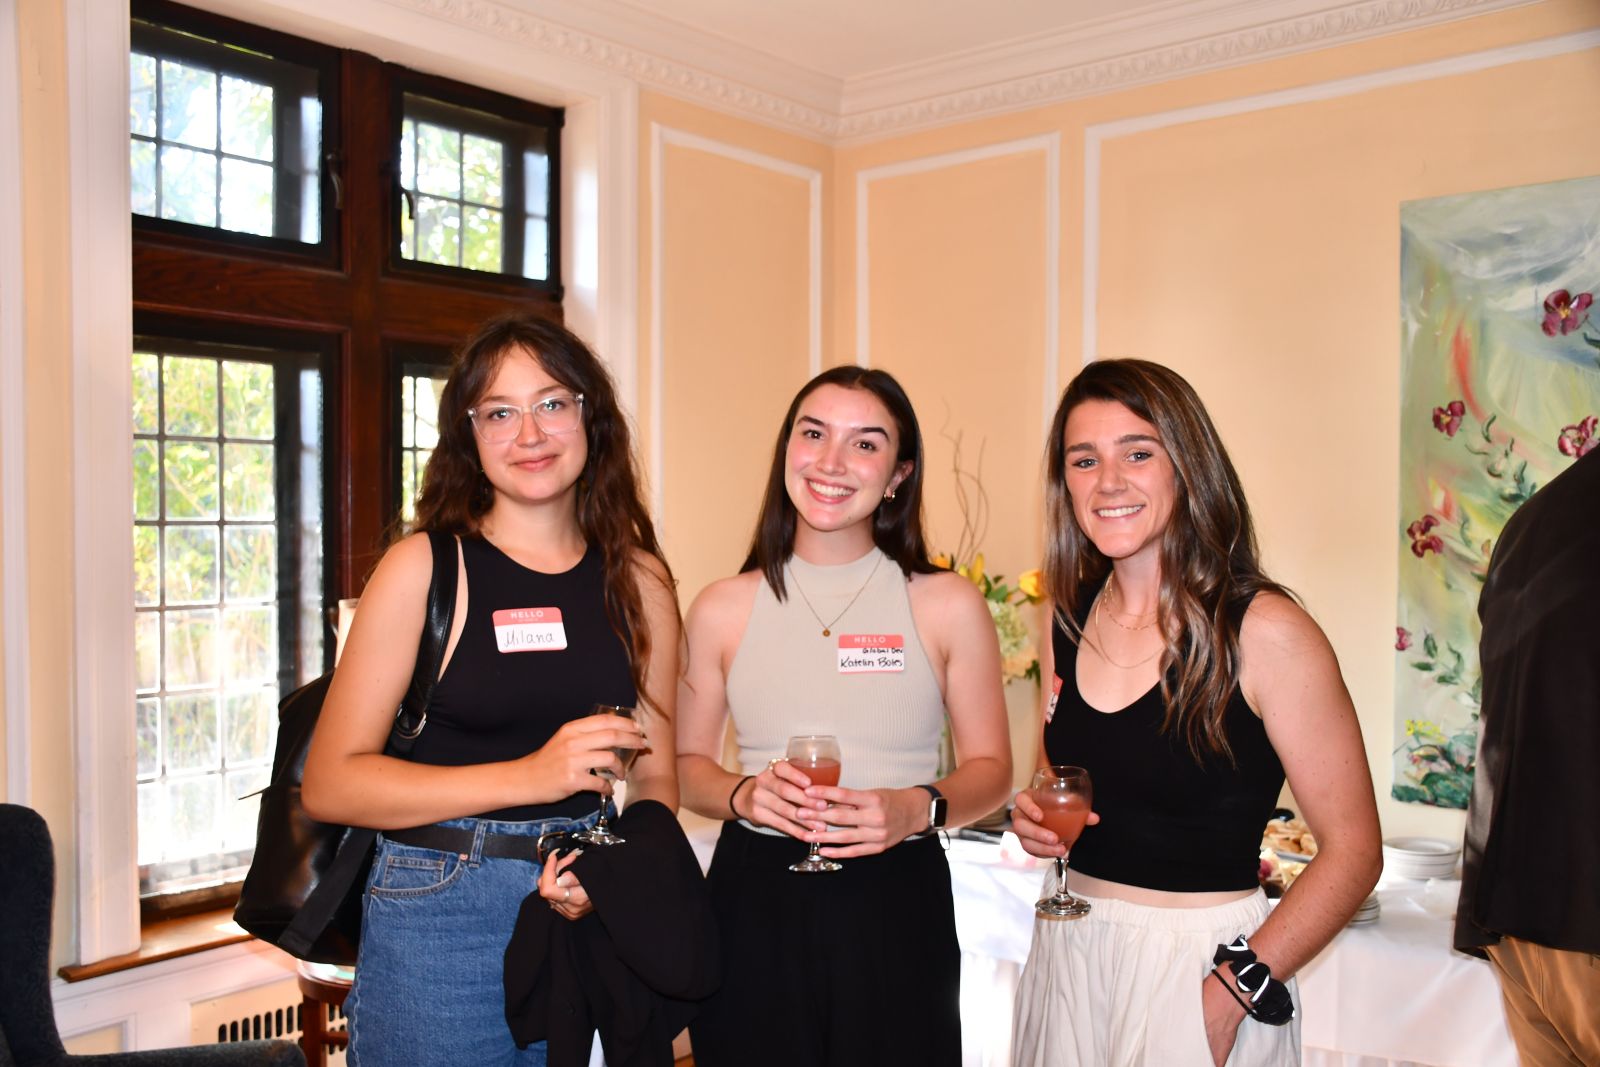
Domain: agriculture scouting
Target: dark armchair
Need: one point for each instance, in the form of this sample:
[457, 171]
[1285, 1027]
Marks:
[28, 1034]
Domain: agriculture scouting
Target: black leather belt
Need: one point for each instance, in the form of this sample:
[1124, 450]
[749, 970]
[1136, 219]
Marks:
[454, 839]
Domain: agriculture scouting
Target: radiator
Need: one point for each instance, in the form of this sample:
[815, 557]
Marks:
[259, 1014]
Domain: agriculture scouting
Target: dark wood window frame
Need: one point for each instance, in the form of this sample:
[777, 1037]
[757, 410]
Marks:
[350, 298]
[359, 296]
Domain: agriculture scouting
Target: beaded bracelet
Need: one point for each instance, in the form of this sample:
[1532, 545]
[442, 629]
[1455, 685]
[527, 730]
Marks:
[737, 786]
[1270, 1001]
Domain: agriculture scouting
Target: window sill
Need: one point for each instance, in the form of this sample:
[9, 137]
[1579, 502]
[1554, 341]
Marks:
[166, 940]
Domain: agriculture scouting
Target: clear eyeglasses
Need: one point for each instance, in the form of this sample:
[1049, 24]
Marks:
[557, 413]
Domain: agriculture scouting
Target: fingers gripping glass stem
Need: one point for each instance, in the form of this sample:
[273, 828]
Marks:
[817, 757]
[601, 833]
[1064, 796]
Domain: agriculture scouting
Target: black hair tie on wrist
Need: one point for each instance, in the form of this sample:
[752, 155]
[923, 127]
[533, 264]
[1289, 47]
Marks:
[1269, 999]
[731, 796]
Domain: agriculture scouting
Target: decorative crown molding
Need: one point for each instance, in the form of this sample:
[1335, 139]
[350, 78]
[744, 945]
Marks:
[655, 71]
[1113, 55]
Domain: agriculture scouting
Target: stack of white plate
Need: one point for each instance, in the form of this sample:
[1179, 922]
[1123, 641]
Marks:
[1367, 913]
[1420, 857]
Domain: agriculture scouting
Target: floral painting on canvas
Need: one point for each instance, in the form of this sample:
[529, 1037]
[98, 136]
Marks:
[1500, 391]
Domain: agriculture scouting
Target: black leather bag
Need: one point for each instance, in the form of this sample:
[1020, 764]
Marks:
[303, 890]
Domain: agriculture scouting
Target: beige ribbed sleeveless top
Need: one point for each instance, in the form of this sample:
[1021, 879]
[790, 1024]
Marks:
[786, 680]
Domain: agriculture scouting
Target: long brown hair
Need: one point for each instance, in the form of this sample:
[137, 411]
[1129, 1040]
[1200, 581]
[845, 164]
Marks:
[896, 524]
[1210, 567]
[611, 512]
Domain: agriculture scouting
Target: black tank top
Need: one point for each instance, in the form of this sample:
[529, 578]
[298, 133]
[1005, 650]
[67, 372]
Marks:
[1166, 822]
[491, 705]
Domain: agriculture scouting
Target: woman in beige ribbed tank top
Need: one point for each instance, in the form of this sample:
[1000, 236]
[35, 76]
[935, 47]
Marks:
[858, 965]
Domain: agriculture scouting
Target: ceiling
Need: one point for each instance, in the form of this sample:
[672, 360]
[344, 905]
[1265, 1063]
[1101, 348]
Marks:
[852, 39]
[847, 70]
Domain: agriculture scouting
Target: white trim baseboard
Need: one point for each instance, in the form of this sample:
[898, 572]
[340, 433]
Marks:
[13, 430]
[660, 137]
[1050, 145]
[1095, 136]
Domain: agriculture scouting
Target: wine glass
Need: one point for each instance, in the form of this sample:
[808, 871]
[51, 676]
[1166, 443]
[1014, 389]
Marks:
[1064, 795]
[600, 833]
[817, 755]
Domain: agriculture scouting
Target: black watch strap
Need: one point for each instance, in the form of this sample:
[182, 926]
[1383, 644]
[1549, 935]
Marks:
[938, 808]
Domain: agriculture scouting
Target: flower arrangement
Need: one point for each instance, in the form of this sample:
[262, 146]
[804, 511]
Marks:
[1018, 656]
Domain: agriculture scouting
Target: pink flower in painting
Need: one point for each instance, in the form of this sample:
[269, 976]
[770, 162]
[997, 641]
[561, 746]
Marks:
[1564, 312]
[1447, 420]
[1579, 440]
[1422, 541]
[1402, 638]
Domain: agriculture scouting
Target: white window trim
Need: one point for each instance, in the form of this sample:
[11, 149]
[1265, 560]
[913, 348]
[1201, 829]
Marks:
[600, 263]
[13, 427]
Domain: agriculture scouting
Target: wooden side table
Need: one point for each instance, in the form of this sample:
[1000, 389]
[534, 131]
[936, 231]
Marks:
[322, 987]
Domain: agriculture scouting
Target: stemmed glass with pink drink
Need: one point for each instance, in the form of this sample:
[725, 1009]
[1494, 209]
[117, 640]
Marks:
[817, 757]
[1064, 796]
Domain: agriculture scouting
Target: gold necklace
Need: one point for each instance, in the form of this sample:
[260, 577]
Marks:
[1111, 592]
[1098, 646]
[827, 627]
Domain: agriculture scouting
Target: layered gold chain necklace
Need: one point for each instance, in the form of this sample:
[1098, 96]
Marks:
[1100, 616]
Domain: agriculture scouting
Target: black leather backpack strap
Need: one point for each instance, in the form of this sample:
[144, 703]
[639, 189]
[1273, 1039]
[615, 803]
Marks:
[413, 714]
[355, 849]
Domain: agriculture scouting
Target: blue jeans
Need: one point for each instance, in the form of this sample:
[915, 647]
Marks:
[429, 988]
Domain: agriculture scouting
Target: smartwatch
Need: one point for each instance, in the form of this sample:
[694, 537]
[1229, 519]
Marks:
[938, 808]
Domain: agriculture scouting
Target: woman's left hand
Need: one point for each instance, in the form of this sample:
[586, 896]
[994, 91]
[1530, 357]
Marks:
[1222, 1017]
[561, 888]
[864, 822]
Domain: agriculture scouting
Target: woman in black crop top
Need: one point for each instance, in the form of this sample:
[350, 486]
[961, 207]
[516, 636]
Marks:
[563, 602]
[1188, 684]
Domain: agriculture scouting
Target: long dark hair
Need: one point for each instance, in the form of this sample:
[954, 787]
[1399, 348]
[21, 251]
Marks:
[1210, 567]
[896, 525]
[611, 512]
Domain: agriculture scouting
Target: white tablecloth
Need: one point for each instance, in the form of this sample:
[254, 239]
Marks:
[1389, 994]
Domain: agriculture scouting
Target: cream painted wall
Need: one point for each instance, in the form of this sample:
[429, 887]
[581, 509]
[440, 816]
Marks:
[1259, 255]
[733, 321]
[41, 44]
[1267, 269]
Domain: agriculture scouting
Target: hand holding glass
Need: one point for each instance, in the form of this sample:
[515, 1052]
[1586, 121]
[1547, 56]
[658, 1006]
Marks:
[600, 833]
[1064, 796]
[817, 757]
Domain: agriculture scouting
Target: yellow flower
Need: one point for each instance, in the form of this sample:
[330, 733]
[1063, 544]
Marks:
[1028, 582]
[942, 560]
[976, 573]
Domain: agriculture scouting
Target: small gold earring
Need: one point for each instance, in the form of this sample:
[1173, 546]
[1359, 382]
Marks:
[888, 494]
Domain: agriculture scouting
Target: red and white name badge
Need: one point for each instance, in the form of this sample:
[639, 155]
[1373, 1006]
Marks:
[529, 630]
[1055, 695]
[871, 653]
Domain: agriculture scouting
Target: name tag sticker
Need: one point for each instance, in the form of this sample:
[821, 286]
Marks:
[529, 630]
[1055, 695]
[871, 653]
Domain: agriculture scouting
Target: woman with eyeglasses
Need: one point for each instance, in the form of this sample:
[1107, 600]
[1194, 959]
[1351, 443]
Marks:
[839, 625]
[535, 476]
[1188, 684]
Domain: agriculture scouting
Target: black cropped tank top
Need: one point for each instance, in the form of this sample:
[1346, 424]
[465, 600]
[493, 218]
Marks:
[1166, 822]
[492, 705]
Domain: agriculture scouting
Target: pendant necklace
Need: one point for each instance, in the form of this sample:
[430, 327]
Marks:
[827, 627]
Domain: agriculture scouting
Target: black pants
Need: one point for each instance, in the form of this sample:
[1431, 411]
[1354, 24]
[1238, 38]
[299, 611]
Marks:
[860, 966]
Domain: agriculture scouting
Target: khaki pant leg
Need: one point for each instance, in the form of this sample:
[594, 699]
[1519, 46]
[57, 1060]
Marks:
[1552, 1000]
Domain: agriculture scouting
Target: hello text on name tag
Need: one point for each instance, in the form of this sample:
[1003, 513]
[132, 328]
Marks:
[529, 630]
[871, 653]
